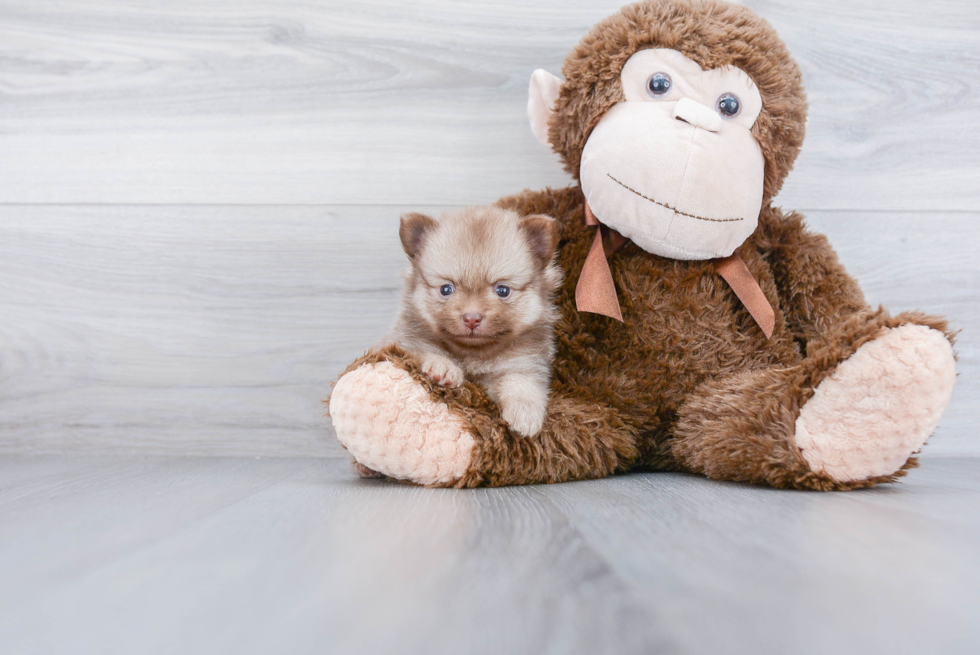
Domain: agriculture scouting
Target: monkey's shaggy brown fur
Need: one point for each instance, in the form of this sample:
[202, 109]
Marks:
[712, 34]
[688, 382]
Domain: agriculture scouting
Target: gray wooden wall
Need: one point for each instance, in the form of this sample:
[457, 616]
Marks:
[199, 201]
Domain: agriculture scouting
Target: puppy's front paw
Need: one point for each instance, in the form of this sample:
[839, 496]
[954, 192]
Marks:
[524, 418]
[442, 371]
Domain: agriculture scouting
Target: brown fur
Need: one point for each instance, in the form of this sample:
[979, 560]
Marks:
[711, 33]
[457, 266]
[688, 381]
[577, 442]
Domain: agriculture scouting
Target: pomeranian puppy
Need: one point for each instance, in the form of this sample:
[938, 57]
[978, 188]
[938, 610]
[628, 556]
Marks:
[478, 305]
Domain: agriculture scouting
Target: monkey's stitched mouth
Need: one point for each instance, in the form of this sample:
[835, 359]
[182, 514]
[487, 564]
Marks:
[673, 209]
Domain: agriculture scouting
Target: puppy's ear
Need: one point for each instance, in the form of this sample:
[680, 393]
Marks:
[542, 234]
[413, 230]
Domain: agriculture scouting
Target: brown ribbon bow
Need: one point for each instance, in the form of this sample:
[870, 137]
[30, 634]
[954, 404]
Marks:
[596, 291]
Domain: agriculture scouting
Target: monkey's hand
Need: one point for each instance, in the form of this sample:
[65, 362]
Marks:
[394, 423]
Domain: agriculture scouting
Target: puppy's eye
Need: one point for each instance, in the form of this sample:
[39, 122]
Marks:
[658, 84]
[729, 105]
[502, 290]
[447, 289]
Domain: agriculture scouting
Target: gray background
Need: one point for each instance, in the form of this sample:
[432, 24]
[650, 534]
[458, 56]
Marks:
[198, 231]
[199, 201]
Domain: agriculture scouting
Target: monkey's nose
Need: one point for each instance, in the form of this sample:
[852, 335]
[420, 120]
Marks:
[472, 321]
[693, 112]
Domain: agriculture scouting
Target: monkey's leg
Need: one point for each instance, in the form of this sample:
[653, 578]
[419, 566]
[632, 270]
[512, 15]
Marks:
[396, 422]
[851, 415]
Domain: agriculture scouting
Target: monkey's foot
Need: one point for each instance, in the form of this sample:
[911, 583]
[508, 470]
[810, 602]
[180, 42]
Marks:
[879, 406]
[391, 425]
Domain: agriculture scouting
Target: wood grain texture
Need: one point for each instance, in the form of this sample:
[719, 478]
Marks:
[218, 330]
[222, 555]
[287, 102]
[198, 210]
[183, 329]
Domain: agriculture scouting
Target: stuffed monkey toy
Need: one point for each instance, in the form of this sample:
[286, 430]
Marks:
[702, 329]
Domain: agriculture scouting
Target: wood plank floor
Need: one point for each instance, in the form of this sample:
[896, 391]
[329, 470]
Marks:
[224, 555]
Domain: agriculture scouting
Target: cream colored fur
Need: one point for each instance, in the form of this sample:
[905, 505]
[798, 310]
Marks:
[474, 250]
[879, 406]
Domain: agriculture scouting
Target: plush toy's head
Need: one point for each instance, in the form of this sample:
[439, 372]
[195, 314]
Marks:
[680, 118]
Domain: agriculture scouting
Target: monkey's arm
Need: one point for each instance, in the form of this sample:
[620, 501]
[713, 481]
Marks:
[816, 293]
[395, 421]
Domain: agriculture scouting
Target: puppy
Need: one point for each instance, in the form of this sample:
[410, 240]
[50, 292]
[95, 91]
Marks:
[478, 305]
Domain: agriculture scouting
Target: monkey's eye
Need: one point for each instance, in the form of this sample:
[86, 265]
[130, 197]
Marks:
[502, 290]
[729, 105]
[658, 84]
[447, 289]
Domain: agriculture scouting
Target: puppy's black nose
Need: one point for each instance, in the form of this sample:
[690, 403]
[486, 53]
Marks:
[472, 321]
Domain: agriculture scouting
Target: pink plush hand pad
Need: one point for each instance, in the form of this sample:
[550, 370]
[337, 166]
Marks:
[389, 423]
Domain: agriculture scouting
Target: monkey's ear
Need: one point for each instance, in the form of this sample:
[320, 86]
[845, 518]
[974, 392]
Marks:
[542, 233]
[542, 94]
[412, 232]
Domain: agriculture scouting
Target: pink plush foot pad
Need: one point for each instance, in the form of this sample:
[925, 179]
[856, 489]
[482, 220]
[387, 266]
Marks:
[879, 406]
[390, 424]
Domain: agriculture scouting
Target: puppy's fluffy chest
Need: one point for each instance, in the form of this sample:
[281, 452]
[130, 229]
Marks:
[530, 354]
